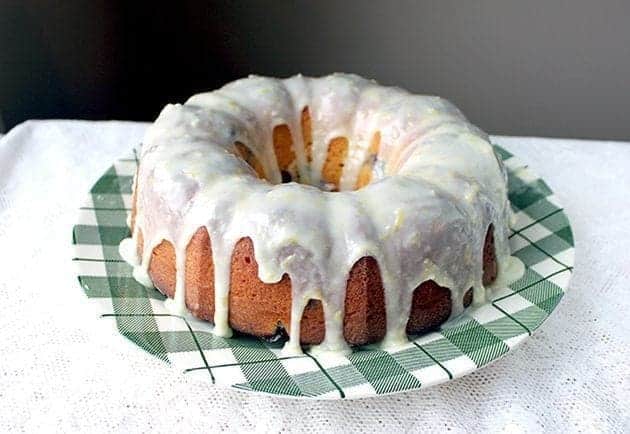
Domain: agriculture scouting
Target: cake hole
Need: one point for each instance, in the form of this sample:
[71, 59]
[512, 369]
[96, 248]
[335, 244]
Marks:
[286, 176]
[287, 168]
[248, 259]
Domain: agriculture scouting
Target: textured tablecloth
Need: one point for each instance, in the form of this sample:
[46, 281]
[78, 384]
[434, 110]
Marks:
[62, 369]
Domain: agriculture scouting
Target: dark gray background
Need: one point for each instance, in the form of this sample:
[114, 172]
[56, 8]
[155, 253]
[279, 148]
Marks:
[514, 67]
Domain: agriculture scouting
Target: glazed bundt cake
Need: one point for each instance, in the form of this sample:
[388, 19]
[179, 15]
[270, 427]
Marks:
[331, 210]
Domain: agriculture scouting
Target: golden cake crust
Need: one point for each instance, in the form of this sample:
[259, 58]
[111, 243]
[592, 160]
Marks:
[264, 309]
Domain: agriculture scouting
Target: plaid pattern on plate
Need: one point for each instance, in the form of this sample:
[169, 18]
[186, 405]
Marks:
[541, 238]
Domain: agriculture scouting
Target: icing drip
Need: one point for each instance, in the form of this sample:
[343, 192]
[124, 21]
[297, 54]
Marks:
[436, 186]
[128, 251]
[221, 259]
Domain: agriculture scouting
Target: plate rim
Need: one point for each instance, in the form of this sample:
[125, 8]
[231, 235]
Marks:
[516, 169]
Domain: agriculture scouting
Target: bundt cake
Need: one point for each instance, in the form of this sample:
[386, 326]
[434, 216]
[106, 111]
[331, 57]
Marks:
[333, 211]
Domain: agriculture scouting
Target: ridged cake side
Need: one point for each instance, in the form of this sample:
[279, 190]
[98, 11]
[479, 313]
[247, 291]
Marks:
[264, 309]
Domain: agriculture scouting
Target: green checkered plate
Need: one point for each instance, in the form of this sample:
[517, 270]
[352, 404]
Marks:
[541, 238]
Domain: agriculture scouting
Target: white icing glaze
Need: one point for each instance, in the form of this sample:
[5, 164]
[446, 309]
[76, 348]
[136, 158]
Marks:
[128, 251]
[436, 187]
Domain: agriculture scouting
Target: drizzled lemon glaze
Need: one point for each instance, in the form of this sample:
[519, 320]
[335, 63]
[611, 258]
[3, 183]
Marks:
[436, 187]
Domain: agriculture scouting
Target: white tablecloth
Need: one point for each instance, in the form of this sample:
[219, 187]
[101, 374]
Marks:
[61, 368]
